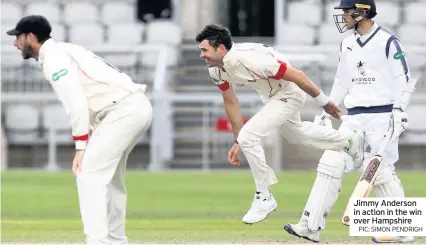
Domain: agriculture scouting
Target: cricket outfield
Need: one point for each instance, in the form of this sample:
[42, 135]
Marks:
[173, 207]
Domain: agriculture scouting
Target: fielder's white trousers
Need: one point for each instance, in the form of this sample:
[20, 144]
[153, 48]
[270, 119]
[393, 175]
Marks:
[101, 188]
[285, 115]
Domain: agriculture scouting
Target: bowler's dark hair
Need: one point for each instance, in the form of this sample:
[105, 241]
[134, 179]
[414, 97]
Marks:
[42, 38]
[216, 35]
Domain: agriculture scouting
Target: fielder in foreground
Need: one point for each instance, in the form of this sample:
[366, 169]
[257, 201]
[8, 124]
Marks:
[374, 80]
[282, 89]
[93, 93]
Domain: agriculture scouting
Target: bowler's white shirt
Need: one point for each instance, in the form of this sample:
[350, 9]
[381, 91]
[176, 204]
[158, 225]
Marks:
[256, 66]
[84, 83]
[372, 69]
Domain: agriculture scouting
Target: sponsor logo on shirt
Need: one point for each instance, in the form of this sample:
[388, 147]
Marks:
[363, 75]
[57, 75]
[399, 55]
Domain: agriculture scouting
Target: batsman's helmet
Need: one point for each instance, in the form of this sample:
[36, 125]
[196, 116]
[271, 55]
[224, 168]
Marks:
[363, 9]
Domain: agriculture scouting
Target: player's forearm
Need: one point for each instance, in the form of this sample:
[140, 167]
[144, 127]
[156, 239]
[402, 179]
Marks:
[338, 92]
[80, 124]
[403, 96]
[301, 80]
[233, 111]
[403, 85]
[75, 104]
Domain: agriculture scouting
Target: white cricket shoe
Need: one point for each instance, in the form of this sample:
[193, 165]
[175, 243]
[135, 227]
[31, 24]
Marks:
[261, 207]
[301, 230]
[395, 239]
[356, 148]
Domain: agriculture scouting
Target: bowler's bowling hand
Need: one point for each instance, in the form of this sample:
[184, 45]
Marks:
[233, 155]
[76, 163]
[332, 109]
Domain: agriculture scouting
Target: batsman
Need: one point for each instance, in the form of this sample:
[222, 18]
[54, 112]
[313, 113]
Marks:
[374, 80]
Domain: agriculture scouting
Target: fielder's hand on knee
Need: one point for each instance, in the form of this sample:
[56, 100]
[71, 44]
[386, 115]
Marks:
[76, 163]
[399, 122]
[233, 155]
[323, 120]
[332, 109]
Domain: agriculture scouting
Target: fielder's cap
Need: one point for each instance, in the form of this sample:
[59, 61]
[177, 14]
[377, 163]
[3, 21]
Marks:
[36, 24]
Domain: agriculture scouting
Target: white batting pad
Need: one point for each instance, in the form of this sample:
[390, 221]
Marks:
[387, 184]
[332, 163]
[323, 195]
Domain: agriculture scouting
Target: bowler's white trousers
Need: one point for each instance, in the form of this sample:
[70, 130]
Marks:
[101, 188]
[285, 115]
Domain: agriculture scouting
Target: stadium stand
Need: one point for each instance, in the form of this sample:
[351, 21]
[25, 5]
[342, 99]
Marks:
[50, 10]
[117, 12]
[307, 30]
[22, 123]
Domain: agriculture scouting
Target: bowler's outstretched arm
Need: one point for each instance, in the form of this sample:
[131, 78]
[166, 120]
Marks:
[233, 110]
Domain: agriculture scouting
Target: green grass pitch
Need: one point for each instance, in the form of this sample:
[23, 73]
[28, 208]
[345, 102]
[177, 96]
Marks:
[173, 207]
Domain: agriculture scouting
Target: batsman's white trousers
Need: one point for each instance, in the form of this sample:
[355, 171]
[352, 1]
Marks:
[101, 188]
[387, 184]
[285, 115]
[375, 127]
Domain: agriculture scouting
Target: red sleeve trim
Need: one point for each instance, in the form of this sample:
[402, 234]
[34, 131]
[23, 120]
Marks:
[224, 86]
[281, 71]
[81, 137]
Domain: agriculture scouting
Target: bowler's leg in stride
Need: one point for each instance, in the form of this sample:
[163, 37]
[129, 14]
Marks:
[100, 181]
[283, 90]
[285, 116]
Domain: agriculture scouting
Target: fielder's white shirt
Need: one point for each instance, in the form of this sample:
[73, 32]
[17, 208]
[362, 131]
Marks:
[256, 66]
[84, 83]
[372, 69]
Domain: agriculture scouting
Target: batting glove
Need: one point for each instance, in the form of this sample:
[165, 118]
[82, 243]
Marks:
[399, 121]
[323, 120]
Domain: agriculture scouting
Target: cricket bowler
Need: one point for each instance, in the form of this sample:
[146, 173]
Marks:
[282, 89]
[374, 80]
[93, 94]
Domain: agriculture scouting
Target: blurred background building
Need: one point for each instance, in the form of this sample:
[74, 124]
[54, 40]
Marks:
[153, 41]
